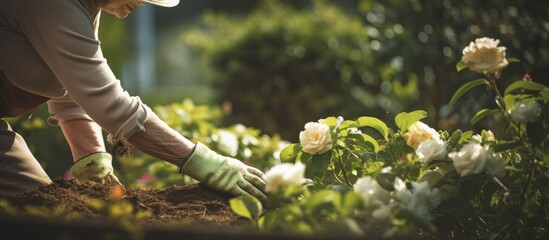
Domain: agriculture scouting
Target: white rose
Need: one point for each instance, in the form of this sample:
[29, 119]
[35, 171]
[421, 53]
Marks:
[371, 193]
[422, 200]
[420, 132]
[316, 138]
[474, 158]
[284, 174]
[384, 212]
[525, 111]
[431, 150]
[228, 143]
[484, 56]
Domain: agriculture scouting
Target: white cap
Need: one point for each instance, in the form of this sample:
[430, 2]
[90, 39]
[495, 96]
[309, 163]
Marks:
[162, 3]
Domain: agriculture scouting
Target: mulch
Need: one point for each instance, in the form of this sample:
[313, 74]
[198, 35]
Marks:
[193, 208]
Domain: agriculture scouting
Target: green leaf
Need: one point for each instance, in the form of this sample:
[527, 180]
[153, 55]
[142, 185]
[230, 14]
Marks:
[545, 95]
[348, 124]
[330, 121]
[482, 114]
[351, 201]
[503, 146]
[318, 165]
[465, 137]
[530, 86]
[289, 153]
[246, 206]
[376, 124]
[323, 200]
[405, 120]
[512, 60]
[499, 128]
[466, 87]
[365, 141]
[303, 157]
[460, 66]
[454, 139]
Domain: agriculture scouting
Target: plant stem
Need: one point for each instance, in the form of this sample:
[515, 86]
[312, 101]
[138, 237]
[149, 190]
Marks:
[501, 104]
[523, 138]
[336, 178]
[343, 168]
[496, 179]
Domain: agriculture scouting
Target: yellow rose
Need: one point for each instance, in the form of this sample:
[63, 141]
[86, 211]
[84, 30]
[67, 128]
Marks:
[484, 56]
[419, 132]
[316, 138]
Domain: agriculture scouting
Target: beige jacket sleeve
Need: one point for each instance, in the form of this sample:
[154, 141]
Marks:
[63, 34]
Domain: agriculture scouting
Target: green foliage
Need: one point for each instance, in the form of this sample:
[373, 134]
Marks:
[276, 60]
[466, 87]
[405, 120]
[455, 185]
[247, 206]
[200, 123]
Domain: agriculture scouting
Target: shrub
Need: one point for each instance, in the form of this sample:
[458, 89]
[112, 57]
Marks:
[280, 67]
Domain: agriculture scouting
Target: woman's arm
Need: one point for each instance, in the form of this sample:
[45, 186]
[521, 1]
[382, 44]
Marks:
[84, 137]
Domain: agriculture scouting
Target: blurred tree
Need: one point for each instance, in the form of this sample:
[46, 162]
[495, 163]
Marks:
[281, 67]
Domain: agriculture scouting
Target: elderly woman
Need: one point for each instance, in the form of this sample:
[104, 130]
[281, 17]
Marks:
[50, 52]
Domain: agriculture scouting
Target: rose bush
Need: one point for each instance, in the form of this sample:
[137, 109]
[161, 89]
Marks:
[415, 181]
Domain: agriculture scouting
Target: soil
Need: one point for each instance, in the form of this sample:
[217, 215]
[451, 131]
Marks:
[192, 210]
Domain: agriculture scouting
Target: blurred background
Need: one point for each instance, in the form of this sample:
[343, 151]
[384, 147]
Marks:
[275, 65]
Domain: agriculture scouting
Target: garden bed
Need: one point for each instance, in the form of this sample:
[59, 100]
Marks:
[74, 209]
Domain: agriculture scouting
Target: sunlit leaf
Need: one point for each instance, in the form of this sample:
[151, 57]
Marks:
[376, 124]
[530, 86]
[348, 124]
[290, 152]
[482, 114]
[406, 119]
[465, 88]
[365, 141]
[512, 60]
[465, 137]
[460, 66]
[246, 206]
[330, 121]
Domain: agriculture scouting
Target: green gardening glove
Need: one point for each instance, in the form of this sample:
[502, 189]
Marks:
[224, 174]
[95, 167]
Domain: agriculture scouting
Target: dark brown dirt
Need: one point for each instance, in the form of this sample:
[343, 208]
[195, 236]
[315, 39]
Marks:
[63, 210]
[192, 205]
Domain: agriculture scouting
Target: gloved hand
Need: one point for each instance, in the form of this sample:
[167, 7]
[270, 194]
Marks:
[95, 167]
[224, 174]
